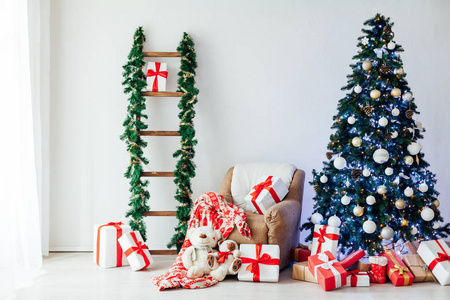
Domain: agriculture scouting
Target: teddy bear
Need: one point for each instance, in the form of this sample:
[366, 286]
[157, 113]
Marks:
[228, 259]
[198, 259]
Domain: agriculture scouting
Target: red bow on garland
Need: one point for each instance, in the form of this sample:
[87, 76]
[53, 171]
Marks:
[253, 266]
[322, 235]
[156, 73]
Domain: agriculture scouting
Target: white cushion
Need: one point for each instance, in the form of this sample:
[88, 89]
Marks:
[247, 175]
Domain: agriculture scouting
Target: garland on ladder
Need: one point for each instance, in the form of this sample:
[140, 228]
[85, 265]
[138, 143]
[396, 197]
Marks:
[185, 168]
[135, 82]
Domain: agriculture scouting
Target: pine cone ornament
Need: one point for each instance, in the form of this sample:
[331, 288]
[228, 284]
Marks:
[316, 188]
[368, 110]
[388, 136]
[387, 29]
[356, 174]
[329, 155]
[409, 113]
[384, 69]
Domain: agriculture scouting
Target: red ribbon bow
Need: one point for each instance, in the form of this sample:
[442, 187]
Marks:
[321, 235]
[139, 249]
[253, 266]
[441, 257]
[223, 256]
[156, 73]
[265, 185]
[119, 249]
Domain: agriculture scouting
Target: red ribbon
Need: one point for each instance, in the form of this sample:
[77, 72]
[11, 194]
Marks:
[253, 266]
[139, 249]
[156, 73]
[354, 278]
[266, 185]
[322, 235]
[441, 257]
[223, 256]
[119, 249]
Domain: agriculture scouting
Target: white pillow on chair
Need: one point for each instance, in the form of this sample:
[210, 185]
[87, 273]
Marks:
[247, 175]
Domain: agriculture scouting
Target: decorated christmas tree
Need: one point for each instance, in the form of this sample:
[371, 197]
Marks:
[375, 184]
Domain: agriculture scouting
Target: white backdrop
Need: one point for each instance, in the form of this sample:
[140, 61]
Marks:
[269, 75]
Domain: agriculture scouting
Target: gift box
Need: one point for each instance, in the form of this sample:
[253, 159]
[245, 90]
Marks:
[327, 270]
[325, 238]
[396, 270]
[418, 267]
[363, 265]
[301, 253]
[270, 191]
[352, 258]
[357, 278]
[301, 272]
[136, 251]
[156, 76]
[107, 250]
[259, 263]
[436, 255]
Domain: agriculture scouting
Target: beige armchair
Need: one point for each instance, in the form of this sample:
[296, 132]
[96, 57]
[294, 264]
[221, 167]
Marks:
[280, 225]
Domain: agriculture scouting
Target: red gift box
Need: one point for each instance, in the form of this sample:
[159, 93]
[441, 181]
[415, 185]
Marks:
[327, 270]
[352, 258]
[397, 271]
[301, 253]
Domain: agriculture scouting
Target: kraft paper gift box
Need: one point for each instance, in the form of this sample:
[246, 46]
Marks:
[156, 76]
[300, 253]
[270, 191]
[325, 238]
[259, 263]
[397, 271]
[327, 270]
[418, 267]
[107, 251]
[356, 278]
[135, 250]
[300, 271]
[436, 255]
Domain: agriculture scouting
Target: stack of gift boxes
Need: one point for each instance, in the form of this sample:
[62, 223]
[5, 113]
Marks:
[414, 262]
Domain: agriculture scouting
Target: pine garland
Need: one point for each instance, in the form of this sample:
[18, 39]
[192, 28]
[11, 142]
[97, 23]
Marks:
[135, 82]
[185, 168]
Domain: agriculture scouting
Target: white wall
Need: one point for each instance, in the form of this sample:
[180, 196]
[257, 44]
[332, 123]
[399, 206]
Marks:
[269, 75]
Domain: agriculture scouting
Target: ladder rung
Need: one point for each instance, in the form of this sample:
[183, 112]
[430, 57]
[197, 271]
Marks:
[163, 252]
[163, 94]
[158, 133]
[159, 214]
[161, 54]
[158, 174]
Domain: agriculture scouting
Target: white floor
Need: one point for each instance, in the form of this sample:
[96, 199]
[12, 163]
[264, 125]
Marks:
[74, 276]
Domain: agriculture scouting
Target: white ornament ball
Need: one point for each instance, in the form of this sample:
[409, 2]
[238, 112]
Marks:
[369, 226]
[394, 134]
[408, 192]
[367, 65]
[340, 163]
[414, 230]
[375, 94]
[391, 45]
[389, 171]
[370, 200]
[427, 214]
[358, 211]
[316, 218]
[400, 71]
[407, 96]
[334, 221]
[357, 89]
[356, 141]
[423, 187]
[345, 200]
[387, 233]
[396, 92]
[409, 160]
[323, 179]
[351, 120]
[436, 225]
[310, 247]
[395, 112]
[414, 148]
[383, 121]
[366, 172]
[380, 156]
[381, 190]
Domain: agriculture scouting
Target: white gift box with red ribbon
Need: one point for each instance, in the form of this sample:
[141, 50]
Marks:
[135, 250]
[107, 251]
[259, 263]
[270, 191]
[436, 254]
[357, 278]
[156, 76]
[325, 238]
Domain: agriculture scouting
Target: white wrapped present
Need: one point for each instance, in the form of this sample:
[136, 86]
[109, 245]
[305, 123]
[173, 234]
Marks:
[135, 250]
[357, 278]
[270, 191]
[325, 238]
[156, 76]
[107, 250]
[436, 255]
[259, 263]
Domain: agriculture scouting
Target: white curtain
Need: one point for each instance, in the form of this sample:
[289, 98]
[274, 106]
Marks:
[22, 204]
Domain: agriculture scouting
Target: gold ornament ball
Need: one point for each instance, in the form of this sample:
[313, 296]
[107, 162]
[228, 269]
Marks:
[396, 92]
[375, 94]
[436, 203]
[358, 211]
[367, 65]
[400, 71]
[404, 222]
[409, 160]
[400, 204]
[356, 141]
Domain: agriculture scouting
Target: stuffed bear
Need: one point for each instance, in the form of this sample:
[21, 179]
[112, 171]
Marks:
[228, 259]
[198, 259]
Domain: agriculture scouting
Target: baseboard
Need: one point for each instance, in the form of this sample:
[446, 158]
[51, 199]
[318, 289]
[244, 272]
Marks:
[89, 248]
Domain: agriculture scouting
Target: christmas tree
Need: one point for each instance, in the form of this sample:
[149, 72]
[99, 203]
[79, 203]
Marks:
[376, 182]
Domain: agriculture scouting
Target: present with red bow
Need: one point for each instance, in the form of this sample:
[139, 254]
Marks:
[418, 267]
[357, 278]
[300, 253]
[270, 191]
[259, 263]
[135, 250]
[396, 270]
[325, 238]
[436, 254]
[156, 76]
[107, 250]
[327, 270]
